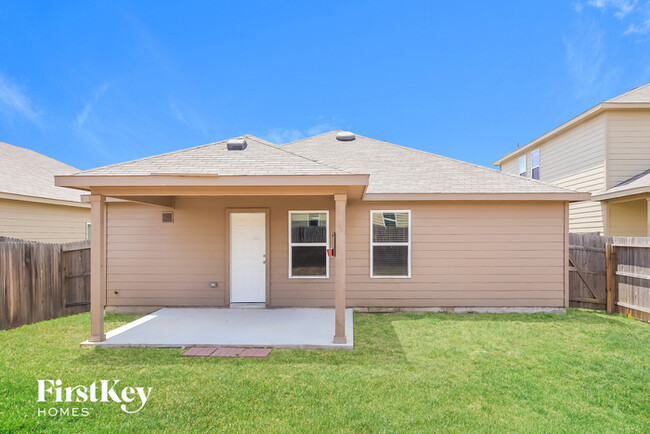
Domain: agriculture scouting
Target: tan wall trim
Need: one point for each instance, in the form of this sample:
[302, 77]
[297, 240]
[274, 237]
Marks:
[621, 194]
[573, 197]
[86, 182]
[566, 254]
[220, 191]
[559, 310]
[24, 198]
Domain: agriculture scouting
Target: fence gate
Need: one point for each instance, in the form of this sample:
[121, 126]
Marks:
[76, 276]
[587, 271]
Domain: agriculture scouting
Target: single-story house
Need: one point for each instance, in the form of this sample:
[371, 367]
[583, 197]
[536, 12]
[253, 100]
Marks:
[31, 206]
[336, 220]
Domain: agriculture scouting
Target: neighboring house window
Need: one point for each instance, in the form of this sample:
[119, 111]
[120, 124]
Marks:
[390, 243]
[88, 231]
[522, 165]
[308, 243]
[534, 157]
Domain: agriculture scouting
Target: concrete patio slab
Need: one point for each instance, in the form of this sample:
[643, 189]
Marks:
[218, 327]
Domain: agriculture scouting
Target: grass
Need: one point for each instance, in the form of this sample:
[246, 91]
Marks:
[584, 371]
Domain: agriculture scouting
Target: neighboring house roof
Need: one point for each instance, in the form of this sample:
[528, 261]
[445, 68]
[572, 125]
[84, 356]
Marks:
[639, 97]
[24, 172]
[392, 169]
[259, 158]
[636, 185]
[639, 94]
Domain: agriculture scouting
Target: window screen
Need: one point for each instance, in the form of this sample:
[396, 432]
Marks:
[522, 166]
[390, 244]
[534, 158]
[308, 242]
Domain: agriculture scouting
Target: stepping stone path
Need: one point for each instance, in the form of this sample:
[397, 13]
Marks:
[252, 353]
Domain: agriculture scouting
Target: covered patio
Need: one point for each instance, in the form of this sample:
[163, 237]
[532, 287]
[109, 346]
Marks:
[628, 207]
[307, 328]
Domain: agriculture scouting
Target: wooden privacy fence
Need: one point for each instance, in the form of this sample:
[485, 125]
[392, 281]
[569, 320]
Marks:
[40, 281]
[610, 273]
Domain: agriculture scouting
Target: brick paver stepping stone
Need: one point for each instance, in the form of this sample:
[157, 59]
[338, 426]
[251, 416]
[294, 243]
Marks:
[198, 352]
[227, 352]
[258, 353]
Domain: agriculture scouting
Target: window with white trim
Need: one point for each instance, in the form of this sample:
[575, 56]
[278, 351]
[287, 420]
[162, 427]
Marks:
[390, 243]
[88, 231]
[308, 243]
[522, 165]
[534, 159]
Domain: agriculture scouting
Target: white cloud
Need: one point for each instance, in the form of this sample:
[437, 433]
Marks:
[634, 14]
[82, 117]
[283, 135]
[286, 135]
[585, 58]
[14, 101]
[641, 28]
[190, 118]
[622, 8]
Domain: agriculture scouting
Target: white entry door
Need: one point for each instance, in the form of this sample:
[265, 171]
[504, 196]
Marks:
[248, 257]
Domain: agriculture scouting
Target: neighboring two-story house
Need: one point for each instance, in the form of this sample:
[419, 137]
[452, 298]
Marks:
[604, 151]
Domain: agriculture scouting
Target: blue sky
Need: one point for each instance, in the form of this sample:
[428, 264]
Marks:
[94, 83]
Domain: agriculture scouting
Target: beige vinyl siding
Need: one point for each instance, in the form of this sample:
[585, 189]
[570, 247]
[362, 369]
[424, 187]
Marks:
[512, 166]
[463, 254]
[574, 159]
[628, 144]
[155, 263]
[628, 219]
[43, 222]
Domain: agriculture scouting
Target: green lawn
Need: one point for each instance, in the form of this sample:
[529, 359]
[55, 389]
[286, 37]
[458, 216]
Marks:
[584, 371]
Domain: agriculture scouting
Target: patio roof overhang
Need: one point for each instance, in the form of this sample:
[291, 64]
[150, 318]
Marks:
[618, 194]
[170, 185]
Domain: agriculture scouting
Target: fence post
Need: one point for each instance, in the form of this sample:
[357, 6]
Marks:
[610, 256]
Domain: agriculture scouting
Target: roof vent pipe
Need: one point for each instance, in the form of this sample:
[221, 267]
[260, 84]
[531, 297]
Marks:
[236, 144]
[345, 136]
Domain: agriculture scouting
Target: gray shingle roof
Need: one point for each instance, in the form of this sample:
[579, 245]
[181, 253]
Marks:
[397, 169]
[638, 94]
[259, 158]
[392, 168]
[638, 181]
[28, 173]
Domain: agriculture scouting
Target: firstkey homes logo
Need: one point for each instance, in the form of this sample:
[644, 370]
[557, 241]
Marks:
[131, 399]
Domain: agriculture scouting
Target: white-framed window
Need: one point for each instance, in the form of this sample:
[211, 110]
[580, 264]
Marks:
[390, 243]
[308, 244]
[87, 231]
[534, 160]
[522, 165]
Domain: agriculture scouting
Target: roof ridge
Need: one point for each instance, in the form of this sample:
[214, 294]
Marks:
[311, 137]
[178, 151]
[632, 179]
[279, 147]
[39, 154]
[634, 89]
[466, 163]
[488, 169]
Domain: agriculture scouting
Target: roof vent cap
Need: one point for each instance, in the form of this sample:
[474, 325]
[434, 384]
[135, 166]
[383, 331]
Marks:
[236, 144]
[345, 136]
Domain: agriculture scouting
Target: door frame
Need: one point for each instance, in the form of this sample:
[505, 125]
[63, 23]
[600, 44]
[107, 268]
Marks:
[267, 229]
